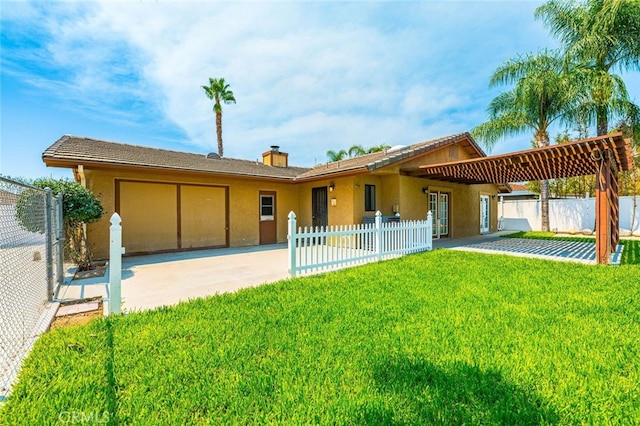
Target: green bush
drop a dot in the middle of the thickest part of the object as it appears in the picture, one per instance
(79, 206)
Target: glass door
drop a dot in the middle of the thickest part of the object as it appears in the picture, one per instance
(443, 213)
(484, 214)
(439, 207)
(433, 208)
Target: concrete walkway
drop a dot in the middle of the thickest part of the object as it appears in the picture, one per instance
(166, 279)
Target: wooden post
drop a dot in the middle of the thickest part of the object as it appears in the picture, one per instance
(292, 244)
(603, 211)
(115, 265)
(614, 204)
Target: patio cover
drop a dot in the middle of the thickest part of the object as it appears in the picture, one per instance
(603, 156)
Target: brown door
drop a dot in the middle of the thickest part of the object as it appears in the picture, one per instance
(319, 210)
(267, 217)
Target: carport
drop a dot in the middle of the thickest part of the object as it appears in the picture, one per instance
(605, 156)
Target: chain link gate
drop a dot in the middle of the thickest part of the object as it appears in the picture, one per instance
(31, 270)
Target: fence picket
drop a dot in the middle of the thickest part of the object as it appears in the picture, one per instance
(325, 248)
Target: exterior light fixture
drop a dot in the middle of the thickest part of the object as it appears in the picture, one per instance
(425, 189)
(332, 186)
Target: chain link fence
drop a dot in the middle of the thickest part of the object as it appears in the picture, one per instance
(31, 268)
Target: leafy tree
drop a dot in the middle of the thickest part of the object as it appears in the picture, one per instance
(79, 206)
(601, 35)
(218, 90)
(544, 92)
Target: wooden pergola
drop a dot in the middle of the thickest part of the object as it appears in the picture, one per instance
(603, 156)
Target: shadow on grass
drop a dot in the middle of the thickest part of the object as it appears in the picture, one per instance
(112, 390)
(418, 392)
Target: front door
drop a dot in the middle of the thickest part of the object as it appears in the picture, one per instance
(484, 214)
(319, 209)
(267, 217)
(439, 207)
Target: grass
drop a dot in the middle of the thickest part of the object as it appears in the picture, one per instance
(630, 254)
(437, 338)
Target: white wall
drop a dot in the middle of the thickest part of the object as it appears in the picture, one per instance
(565, 215)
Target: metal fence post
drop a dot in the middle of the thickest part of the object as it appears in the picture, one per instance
(292, 244)
(115, 264)
(429, 231)
(60, 240)
(379, 235)
(48, 226)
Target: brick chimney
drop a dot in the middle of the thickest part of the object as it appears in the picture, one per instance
(275, 158)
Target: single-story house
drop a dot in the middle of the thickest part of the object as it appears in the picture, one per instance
(171, 201)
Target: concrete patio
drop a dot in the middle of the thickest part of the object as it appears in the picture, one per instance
(568, 251)
(167, 279)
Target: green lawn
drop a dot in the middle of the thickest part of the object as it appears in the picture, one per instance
(443, 337)
(630, 253)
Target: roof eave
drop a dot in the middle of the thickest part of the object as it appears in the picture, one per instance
(73, 163)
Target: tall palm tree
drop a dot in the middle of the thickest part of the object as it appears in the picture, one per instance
(603, 35)
(544, 92)
(218, 90)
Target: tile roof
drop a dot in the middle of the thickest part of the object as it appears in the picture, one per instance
(73, 150)
(376, 160)
(518, 187)
(80, 150)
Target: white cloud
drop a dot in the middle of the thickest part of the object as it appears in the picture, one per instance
(308, 76)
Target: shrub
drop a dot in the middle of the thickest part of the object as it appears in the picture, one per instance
(79, 206)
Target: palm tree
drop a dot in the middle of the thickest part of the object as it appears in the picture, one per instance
(336, 155)
(218, 90)
(544, 92)
(602, 35)
(356, 151)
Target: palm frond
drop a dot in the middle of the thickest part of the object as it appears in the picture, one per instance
(499, 127)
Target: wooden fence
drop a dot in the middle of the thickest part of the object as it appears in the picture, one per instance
(327, 248)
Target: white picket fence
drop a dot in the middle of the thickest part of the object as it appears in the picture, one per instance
(321, 249)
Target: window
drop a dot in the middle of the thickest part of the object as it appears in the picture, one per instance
(266, 207)
(369, 198)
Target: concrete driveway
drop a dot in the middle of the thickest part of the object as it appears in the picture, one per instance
(166, 279)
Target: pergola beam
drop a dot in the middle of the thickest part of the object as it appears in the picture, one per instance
(603, 156)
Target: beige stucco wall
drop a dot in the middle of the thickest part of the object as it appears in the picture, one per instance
(392, 189)
(343, 193)
(243, 206)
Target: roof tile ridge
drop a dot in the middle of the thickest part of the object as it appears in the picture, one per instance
(53, 149)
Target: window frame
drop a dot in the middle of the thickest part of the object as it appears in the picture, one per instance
(369, 198)
(271, 216)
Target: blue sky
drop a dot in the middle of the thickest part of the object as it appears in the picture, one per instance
(308, 76)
